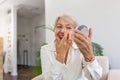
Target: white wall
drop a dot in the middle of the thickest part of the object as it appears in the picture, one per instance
(36, 36)
(38, 33)
(102, 15)
(24, 28)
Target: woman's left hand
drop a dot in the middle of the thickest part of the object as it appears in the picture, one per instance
(84, 44)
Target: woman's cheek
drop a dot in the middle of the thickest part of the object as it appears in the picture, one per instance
(56, 33)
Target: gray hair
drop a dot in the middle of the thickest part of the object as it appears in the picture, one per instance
(68, 18)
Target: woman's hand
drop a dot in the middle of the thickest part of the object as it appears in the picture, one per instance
(62, 46)
(84, 44)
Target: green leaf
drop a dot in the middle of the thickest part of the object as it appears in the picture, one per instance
(97, 49)
(37, 69)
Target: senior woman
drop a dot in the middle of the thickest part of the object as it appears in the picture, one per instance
(70, 56)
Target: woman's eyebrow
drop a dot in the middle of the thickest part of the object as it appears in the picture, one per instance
(58, 24)
(68, 25)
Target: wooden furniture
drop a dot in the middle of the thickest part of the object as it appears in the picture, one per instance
(1, 58)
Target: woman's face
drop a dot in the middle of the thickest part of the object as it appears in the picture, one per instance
(61, 27)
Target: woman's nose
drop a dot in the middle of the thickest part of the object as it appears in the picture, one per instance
(63, 30)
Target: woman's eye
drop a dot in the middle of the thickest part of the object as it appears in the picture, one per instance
(68, 27)
(58, 26)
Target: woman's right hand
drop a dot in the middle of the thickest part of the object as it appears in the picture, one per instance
(62, 46)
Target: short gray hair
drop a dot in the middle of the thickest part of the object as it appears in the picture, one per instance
(68, 18)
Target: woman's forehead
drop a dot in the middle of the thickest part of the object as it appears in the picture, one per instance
(65, 20)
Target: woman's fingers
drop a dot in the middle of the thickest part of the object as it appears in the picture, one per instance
(57, 39)
(65, 36)
(84, 43)
(66, 40)
(80, 33)
(63, 41)
(80, 44)
(81, 39)
(70, 38)
(90, 33)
